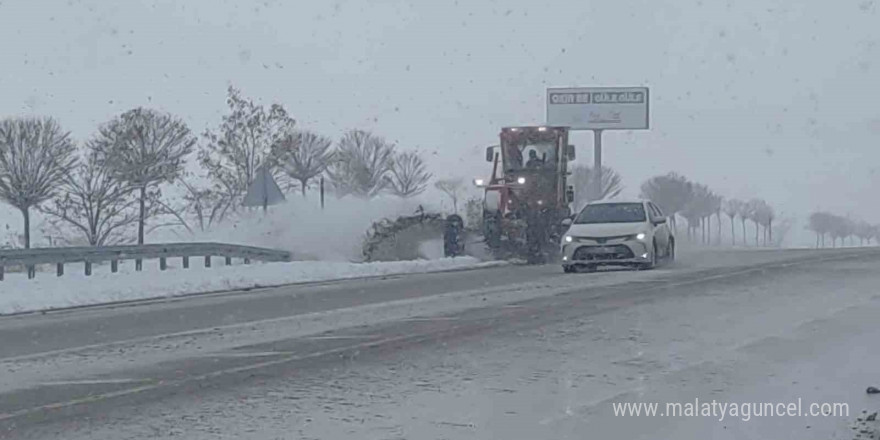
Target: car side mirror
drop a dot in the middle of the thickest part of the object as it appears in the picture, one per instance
(490, 154)
(566, 221)
(569, 151)
(659, 221)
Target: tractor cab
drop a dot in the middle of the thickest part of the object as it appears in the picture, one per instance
(530, 167)
(528, 186)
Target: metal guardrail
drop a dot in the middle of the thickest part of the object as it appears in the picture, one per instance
(88, 255)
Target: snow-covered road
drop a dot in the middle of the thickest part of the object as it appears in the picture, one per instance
(517, 352)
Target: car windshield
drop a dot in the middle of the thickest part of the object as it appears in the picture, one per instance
(612, 213)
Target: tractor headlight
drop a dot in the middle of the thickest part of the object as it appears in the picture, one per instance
(640, 236)
(479, 182)
(521, 180)
(569, 238)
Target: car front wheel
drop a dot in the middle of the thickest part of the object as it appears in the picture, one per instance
(653, 255)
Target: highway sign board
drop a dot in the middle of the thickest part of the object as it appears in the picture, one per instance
(598, 108)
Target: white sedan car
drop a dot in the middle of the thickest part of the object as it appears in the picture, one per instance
(619, 233)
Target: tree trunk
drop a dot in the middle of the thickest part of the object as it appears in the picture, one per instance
(25, 212)
(718, 217)
(756, 235)
(770, 230)
(703, 230)
(817, 240)
(302, 185)
(732, 233)
(745, 240)
(142, 214)
(708, 229)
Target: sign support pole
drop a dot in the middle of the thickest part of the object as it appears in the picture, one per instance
(322, 192)
(597, 164)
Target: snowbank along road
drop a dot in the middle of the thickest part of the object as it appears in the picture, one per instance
(507, 352)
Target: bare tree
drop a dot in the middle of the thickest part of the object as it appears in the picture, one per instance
(241, 144)
(302, 155)
(93, 202)
(453, 188)
(361, 164)
(206, 205)
(751, 211)
(408, 175)
(35, 155)
(584, 179)
(864, 231)
(144, 148)
(732, 208)
(766, 215)
(698, 207)
(821, 223)
(671, 192)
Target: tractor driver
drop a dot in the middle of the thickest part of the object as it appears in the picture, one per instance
(534, 161)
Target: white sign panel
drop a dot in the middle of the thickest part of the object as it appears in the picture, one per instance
(598, 108)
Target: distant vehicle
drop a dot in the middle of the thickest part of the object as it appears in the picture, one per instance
(617, 233)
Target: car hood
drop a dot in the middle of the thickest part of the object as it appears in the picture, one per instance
(606, 229)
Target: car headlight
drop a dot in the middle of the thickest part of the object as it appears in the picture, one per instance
(640, 236)
(569, 238)
(521, 180)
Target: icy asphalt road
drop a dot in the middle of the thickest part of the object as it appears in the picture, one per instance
(513, 352)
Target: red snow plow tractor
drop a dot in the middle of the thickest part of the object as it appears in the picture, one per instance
(527, 197)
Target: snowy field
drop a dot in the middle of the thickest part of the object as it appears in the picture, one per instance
(331, 253)
(46, 291)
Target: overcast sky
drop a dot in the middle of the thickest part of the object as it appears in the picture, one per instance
(757, 98)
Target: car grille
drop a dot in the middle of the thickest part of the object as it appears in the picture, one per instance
(615, 252)
(601, 240)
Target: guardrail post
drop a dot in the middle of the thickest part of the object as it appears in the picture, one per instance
(30, 259)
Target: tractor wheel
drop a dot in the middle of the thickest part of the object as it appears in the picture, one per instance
(492, 231)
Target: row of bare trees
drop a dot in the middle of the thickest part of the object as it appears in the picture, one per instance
(698, 204)
(109, 188)
(840, 228)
